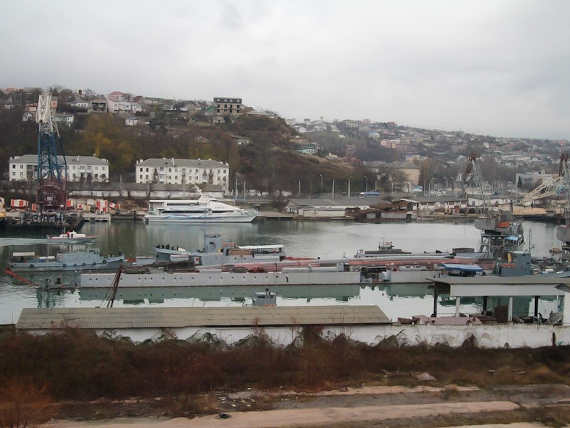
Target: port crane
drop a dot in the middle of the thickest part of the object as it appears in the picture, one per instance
(500, 233)
(52, 166)
(553, 188)
(563, 231)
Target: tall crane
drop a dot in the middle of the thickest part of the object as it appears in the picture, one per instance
(500, 232)
(552, 188)
(472, 175)
(52, 166)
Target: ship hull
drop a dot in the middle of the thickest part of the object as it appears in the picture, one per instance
(111, 264)
(198, 219)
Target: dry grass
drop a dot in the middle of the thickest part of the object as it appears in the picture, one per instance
(81, 366)
(23, 404)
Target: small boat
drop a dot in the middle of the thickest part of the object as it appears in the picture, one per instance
(71, 237)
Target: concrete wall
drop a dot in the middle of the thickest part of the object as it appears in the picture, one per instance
(112, 191)
(486, 336)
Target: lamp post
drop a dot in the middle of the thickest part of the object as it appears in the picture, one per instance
(348, 192)
(365, 184)
(321, 189)
(299, 187)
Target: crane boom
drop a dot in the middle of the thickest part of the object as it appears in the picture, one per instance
(52, 166)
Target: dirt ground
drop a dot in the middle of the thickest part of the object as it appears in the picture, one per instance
(361, 407)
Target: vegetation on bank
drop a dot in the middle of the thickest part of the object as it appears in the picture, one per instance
(81, 366)
(268, 163)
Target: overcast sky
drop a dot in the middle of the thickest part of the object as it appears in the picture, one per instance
(499, 67)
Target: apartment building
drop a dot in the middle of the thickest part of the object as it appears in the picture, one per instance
(183, 171)
(228, 106)
(79, 168)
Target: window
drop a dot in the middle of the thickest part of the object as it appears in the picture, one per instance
(141, 170)
(14, 166)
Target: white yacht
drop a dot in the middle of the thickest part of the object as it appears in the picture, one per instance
(203, 210)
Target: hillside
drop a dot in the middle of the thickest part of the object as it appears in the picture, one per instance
(267, 163)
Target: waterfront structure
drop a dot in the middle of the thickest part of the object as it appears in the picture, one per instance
(228, 106)
(367, 324)
(79, 168)
(183, 171)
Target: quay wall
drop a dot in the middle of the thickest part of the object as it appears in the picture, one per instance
(114, 191)
(486, 336)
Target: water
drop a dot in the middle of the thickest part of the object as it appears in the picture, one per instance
(324, 239)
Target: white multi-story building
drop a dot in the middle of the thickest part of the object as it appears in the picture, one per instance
(228, 106)
(123, 106)
(183, 171)
(79, 168)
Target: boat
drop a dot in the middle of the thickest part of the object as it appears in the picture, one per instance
(203, 210)
(384, 247)
(71, 261)
(216, 251)
(500, 234)
(72, 236)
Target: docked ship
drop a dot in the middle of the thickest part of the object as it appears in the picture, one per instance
(216, 251)
(203, 210)
(500, 234)
(72, 261)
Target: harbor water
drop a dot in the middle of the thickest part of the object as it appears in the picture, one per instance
(301, 239)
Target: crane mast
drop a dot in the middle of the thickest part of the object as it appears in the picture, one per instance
(52, 166)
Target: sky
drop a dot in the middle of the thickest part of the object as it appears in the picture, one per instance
(496, 67)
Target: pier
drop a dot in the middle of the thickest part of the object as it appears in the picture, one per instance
(498, 286)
